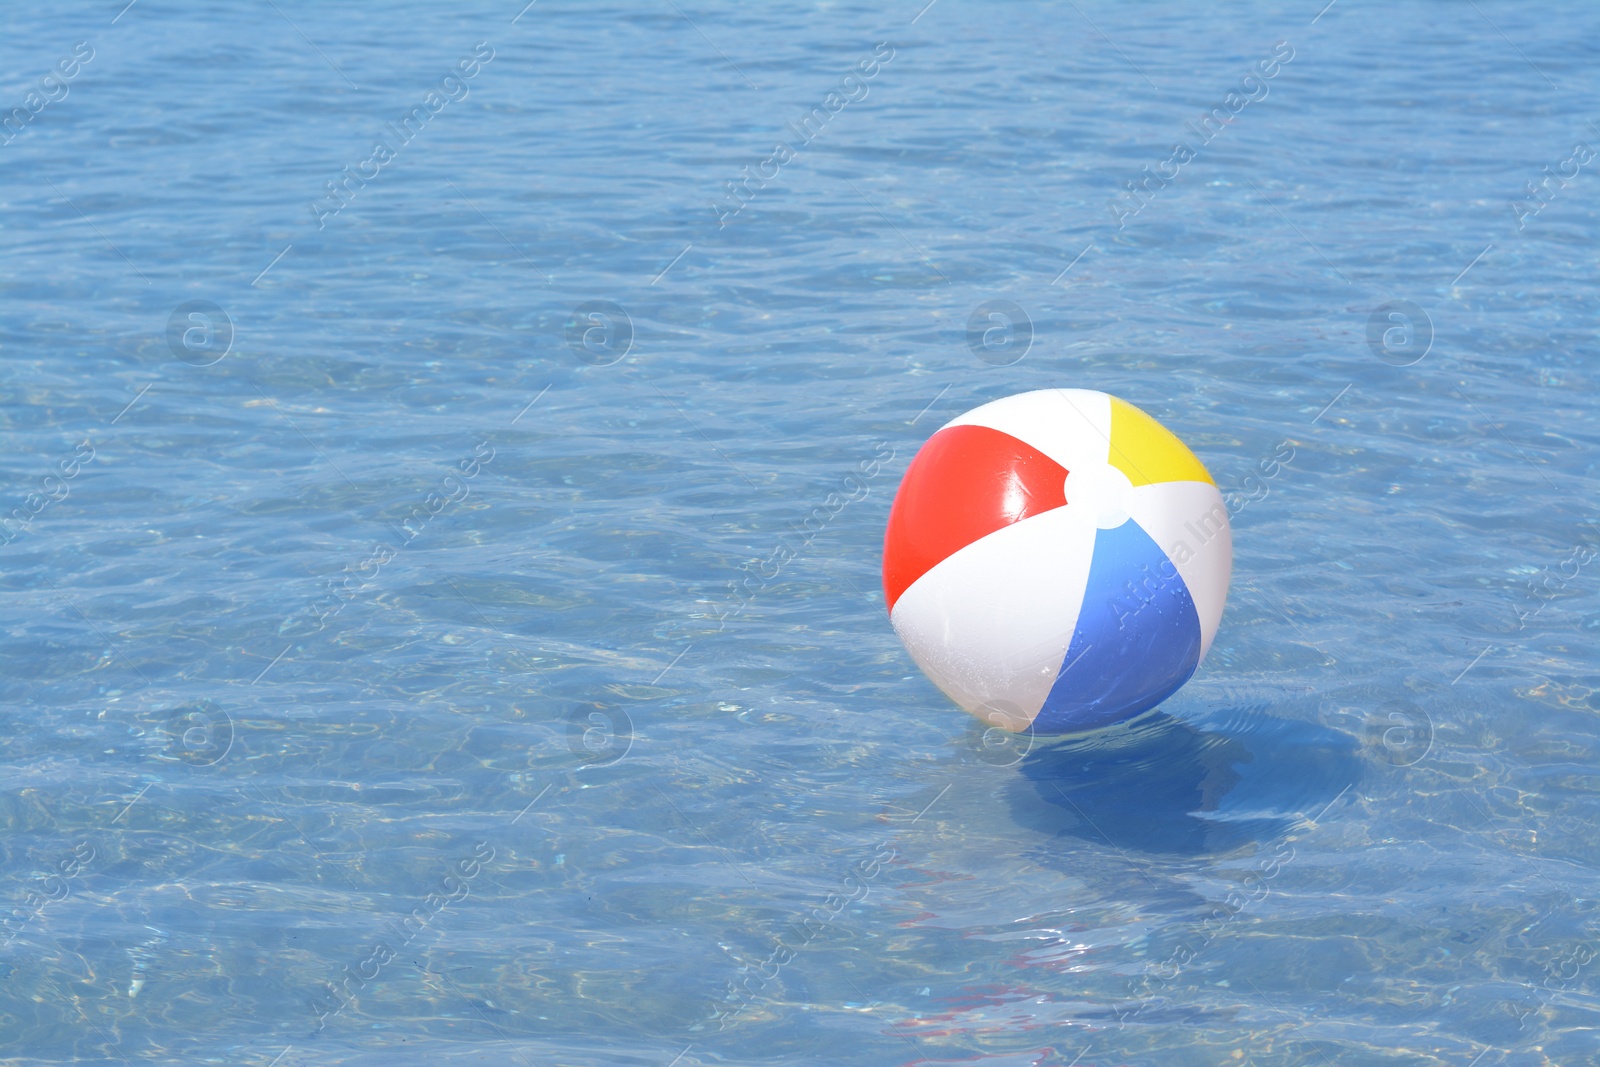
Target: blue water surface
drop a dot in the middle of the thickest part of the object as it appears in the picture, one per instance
(446, 455)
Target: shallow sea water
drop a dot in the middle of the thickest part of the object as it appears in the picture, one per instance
(417, 682)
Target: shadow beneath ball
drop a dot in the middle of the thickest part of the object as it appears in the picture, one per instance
(1160, 785)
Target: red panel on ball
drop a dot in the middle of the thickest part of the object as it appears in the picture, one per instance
(965, 483)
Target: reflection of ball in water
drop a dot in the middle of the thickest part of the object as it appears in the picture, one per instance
(1058, 552)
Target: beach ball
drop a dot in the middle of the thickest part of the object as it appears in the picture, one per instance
(1056, 561)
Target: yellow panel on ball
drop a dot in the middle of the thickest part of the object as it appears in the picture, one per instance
(1147, 452)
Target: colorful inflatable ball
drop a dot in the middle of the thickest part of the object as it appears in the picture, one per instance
(1057, 561)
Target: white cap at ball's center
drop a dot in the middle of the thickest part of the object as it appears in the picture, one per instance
(1101, 491)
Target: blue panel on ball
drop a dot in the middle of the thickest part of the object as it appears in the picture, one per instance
(1137, 639)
